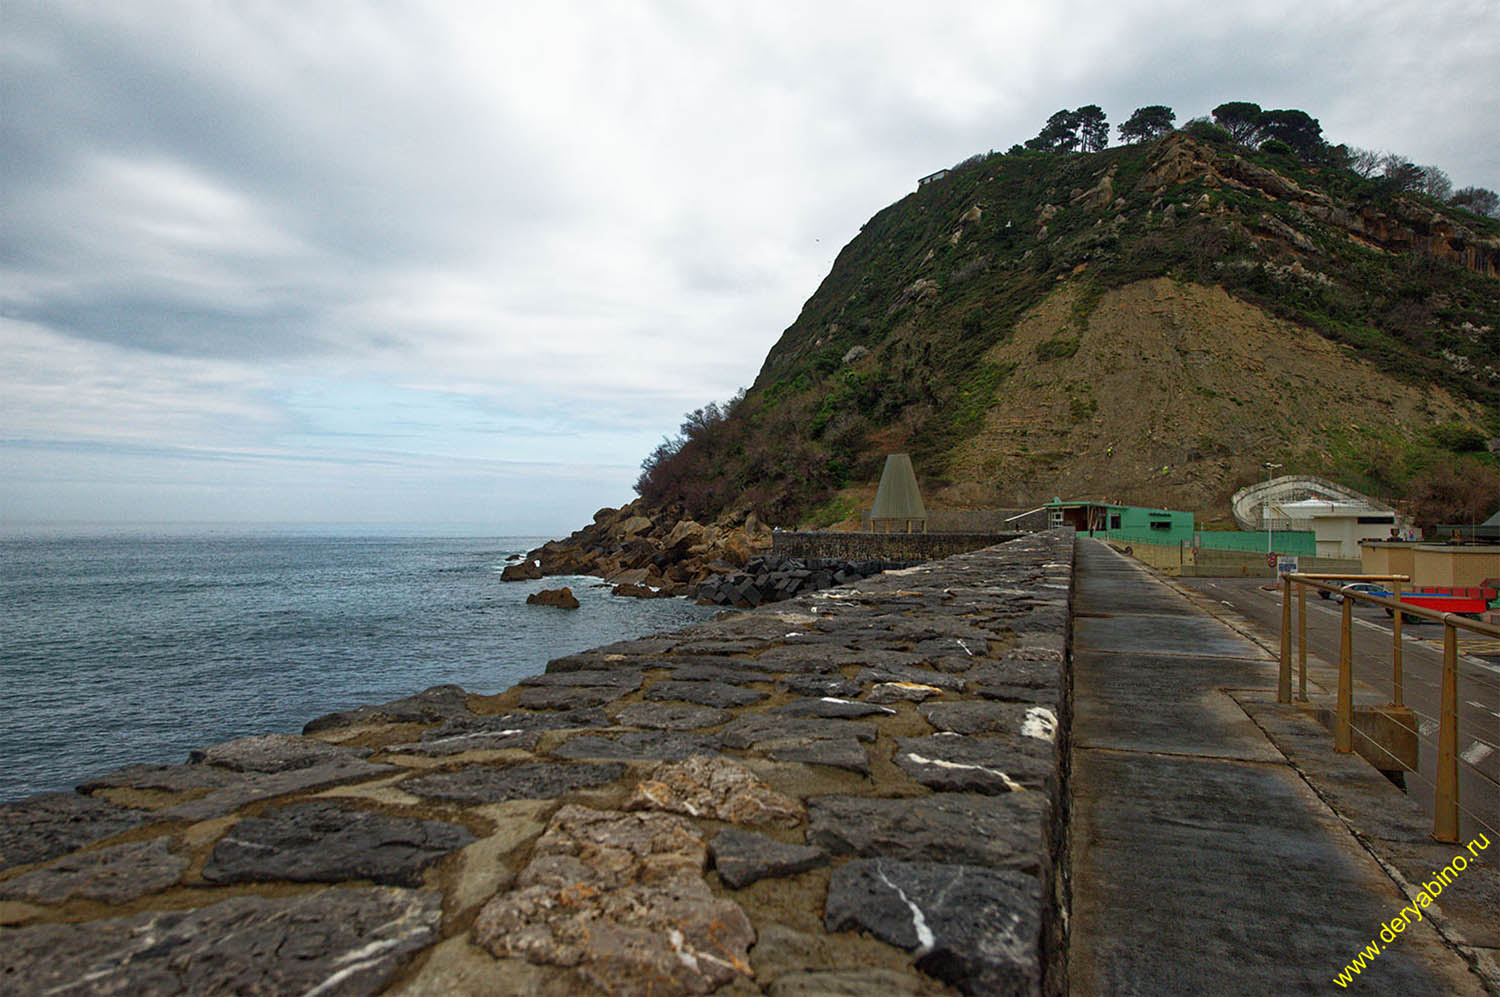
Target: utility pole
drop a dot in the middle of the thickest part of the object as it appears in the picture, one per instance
(1266, 507)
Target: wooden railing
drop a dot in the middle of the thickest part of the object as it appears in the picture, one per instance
(1445, 790)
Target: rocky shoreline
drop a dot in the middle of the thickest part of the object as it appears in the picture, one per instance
(649, 554)
(646, 552)
(858, 791)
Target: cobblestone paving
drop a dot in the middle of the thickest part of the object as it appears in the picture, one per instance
(861, 791)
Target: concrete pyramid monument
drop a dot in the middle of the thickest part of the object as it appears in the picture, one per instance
(898, 501)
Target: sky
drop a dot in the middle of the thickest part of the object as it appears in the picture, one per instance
(465, 264)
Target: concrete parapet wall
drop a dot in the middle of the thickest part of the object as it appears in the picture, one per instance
(864, 790)
(1205, 563)
(978, 520)
(906, 548)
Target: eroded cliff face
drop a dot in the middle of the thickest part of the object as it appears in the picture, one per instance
(1406, 226)
(1175, 392)
(1148, 323)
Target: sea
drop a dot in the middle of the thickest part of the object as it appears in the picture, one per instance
(119, 647)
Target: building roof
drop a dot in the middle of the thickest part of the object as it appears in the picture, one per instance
(898, 496)
(1308, 508)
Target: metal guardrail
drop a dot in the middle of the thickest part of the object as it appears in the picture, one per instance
(1445, 798)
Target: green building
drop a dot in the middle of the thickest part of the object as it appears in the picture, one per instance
(1134, 524)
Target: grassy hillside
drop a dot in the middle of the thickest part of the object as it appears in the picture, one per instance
(1148, 323)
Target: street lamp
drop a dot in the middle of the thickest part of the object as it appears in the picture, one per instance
(1266, 507)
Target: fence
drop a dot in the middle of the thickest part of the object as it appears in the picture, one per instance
(1446, 804)
(1298, 543)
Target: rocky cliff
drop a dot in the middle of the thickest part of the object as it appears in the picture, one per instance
(1148, 324)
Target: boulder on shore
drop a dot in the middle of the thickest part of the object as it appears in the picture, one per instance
(562, 598)
(639, 591)
(526, 571)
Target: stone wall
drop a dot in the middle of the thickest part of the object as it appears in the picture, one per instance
(863, 790)
(993, 521)
(901, 548)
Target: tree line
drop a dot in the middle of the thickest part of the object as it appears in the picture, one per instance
(1286, 130)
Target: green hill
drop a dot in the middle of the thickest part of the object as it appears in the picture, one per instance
(1148, 323)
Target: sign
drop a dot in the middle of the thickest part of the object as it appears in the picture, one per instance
(1286, 564)
(1270, 560)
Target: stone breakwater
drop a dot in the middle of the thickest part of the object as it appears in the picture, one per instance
(773, 579)
(859, 791)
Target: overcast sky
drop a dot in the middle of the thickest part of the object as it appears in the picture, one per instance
(464, 264)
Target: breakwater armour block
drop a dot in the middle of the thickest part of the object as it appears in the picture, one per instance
(857, 790)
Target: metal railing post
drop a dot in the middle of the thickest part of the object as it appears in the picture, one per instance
(1284, 677)
(1445, 798)
(1301, 643)
(1343, 730)
(1398, 680)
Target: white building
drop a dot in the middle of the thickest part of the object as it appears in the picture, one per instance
(1338, 526)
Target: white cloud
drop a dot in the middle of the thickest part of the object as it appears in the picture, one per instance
(499, 232)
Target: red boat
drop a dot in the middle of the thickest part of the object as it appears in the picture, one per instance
(1444, 602)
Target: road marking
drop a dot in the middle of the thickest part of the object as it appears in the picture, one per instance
(1427, 728)
(1483, 709)
(1476, 753)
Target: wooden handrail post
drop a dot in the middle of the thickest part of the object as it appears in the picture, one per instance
(1398, 680)
(1284, 677)
(1445, 798)
(1302, 643)
(1343, 730)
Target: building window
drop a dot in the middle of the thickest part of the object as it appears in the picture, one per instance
(1114, 522)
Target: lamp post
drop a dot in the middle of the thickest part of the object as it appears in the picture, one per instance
(1267, 506)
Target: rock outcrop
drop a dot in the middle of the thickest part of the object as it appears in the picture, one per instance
(649, 553)
(562, 598)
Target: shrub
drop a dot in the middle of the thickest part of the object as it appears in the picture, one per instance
(1056, 349)
(1460, 438)
(1206, 131)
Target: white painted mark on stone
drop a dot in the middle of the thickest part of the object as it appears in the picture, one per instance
(482, 733)
(690, 958)
(1040, 723)
(853, 702)
(1010, 784)
(350, 970)
(964, 646)
(685, 957)
(925, 938)
(1476, 753)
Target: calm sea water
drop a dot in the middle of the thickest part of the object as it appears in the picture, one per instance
(137, 648)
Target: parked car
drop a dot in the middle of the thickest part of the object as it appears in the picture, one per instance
(1370, 588)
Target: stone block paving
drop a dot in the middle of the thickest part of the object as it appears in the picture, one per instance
(860, 791)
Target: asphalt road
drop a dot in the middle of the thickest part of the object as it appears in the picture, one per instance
(1422, 661)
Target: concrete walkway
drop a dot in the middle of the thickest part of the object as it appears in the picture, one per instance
(1202, 862)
